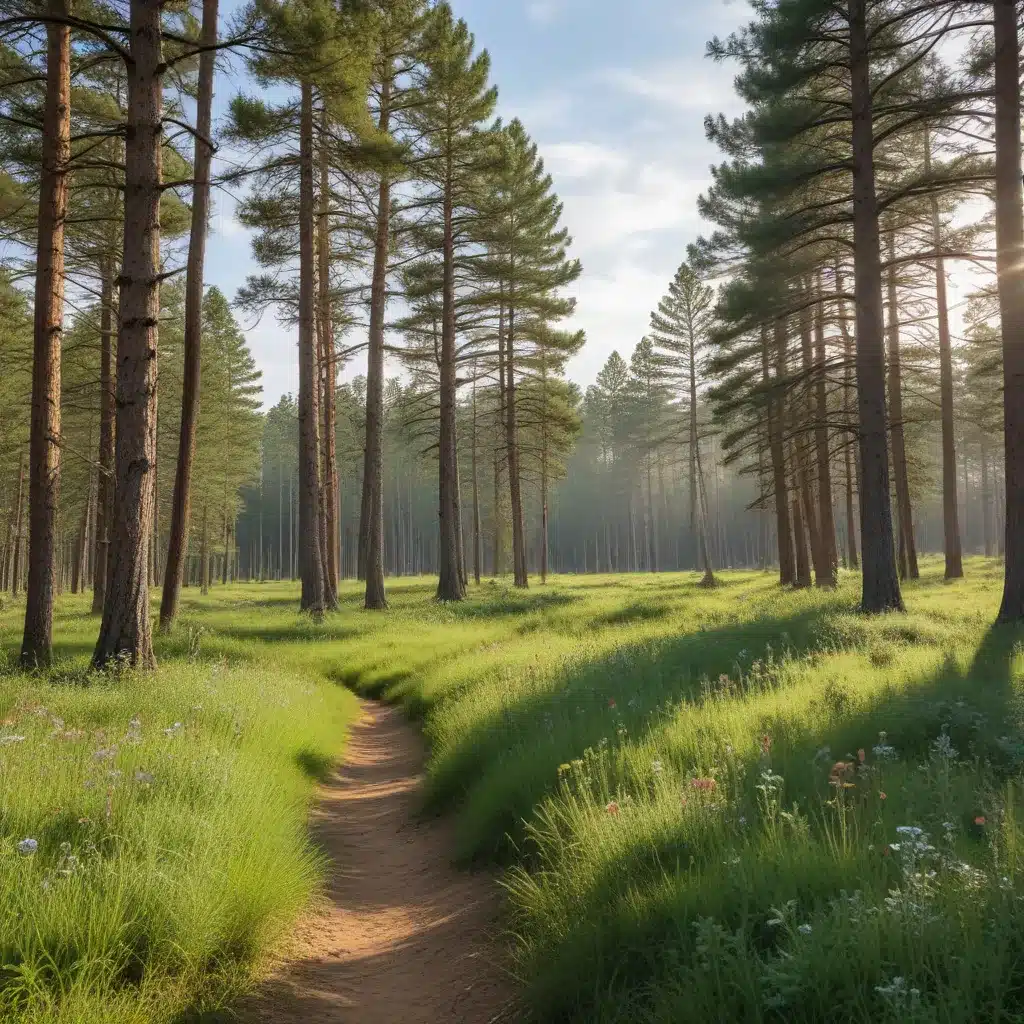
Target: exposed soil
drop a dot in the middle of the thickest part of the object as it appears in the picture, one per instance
(406, 938)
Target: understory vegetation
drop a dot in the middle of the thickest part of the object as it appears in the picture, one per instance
(153, 842)
(738, 804)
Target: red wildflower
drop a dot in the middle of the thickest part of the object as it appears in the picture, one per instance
(861, 755)
(706, 785)
(881, 796)
(841, 774)
(980, 819)
(611, 703)
(766, 744)
(612, 808)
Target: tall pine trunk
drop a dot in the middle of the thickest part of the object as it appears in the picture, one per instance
(126, 632)
(450, 586)
(880, 582)
(826, 513)
(907, 546)
(478, 554)
(1010, 272)
(950, 512)
(329, 512)
(105, 483)
(311, 569)
(48, 326)
(520, 576)
(986, 498)
(371, 515)
(181, 498)
(787, 565)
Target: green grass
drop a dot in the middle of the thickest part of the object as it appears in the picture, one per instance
(169, 811)
(568, 726)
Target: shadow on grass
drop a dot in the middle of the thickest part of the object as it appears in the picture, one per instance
(499, 770)
(314, 764)
(638, 611)
(634, 921)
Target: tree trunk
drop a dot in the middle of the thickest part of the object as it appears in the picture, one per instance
(986, 498)
(826, 514)
(521, 578)
(19, 520)
(809, 506)
(449, 585)
(48, 326)
(225, 568)
(787, 565)
(880, 582)
(82, 545)
(181, 499)
(311, 569)
(126, 632)
(329, 512)
(907, 543)
(371, 516)
(803, 561)
(950, 516)
(478, 554)
(105, 485)
(204, 554)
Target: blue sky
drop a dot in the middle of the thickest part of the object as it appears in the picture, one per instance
(615, 95)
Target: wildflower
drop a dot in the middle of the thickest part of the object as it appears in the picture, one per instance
(706, 785)
(174, 729)
(657, 767)
(881, 796)
(612, 808)
(980, 819)
(4, 740)
(805, 929)
(861, 755)
(842, 772)
(766, 744)
(883, 750)
(104, 754)
(27, 847)
(723, 680)
(743, 821)
(145, 778)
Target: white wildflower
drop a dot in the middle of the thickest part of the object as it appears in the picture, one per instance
(4, 740)
(805, 929)
(27, 847)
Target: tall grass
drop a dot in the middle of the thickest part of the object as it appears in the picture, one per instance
(733, 805)
(153, 846)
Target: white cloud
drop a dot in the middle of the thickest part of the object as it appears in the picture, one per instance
(689, 87)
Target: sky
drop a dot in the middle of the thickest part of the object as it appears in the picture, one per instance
(615, 95)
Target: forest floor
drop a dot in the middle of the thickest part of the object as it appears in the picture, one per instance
(743, 804)
(405, 936)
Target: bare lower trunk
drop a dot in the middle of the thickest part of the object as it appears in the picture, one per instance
(521, 578)
(950, 512)
(126, 632)
(371, 516)
(329, 513)
(803, 561)
(78, 569)
(905, 521)
(478, 554)
(1010, 271)
(826, 513)
(787, 565)
(48, 326)
(986, 499)
(181, 498)
(450, 586)
(880, 582)
(105, 484)
(19, 526)
(311, 569)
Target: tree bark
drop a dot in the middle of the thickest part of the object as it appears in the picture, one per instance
(880, 581)
(819, 559)
(19, 520)
(950, 512)
(986, 498)
(826, 513)
(520, 577)
(371, 516)
(449, 585)
(311, 569)
(787, 565)
(329, 512)
(1010, 273)
(478, 554)
(904, 510)
(126, 631)
(105, 483)
(48, 326)
(181, 498)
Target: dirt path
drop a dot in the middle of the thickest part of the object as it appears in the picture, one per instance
(407, 937)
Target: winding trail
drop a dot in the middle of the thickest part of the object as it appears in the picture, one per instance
(406, 938)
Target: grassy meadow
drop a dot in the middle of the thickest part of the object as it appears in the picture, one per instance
(736, 805)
